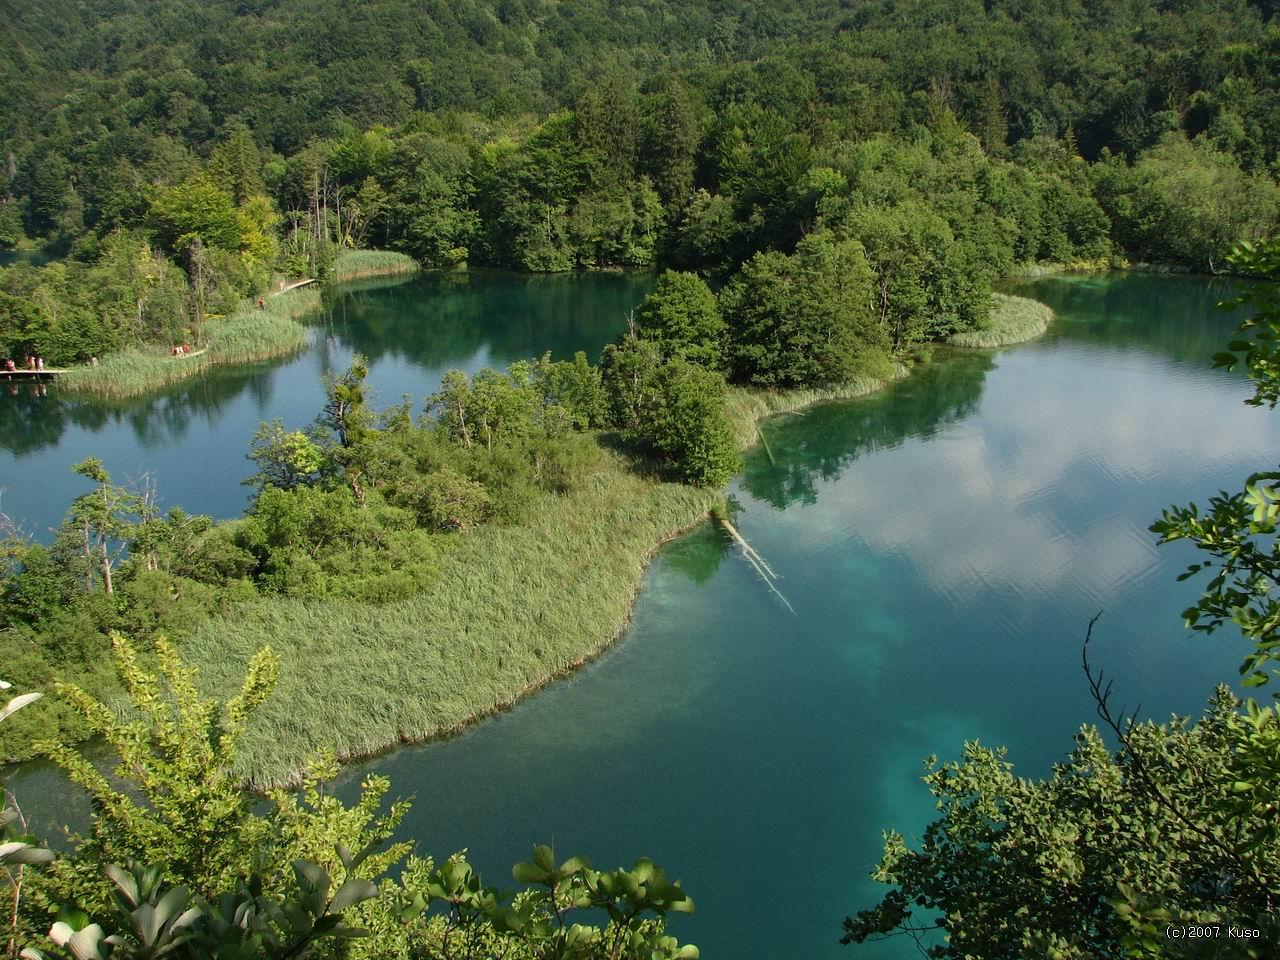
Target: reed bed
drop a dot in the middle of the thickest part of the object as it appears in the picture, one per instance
(358, 264)
(1013, 320)
(512, 609)
(747, 406)
(250, 334)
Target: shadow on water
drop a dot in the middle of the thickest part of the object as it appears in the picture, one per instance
(1174, 316)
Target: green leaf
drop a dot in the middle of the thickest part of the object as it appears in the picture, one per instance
(354, 890)
(544, 858)
(529, 873)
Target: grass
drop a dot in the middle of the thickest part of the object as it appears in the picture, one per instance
(1013, 320)
(747, 406)
(248, 335)
(358, 264)
(513, 608)
(1048, 268)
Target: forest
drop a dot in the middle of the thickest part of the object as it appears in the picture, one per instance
(823, 191)
(953, 143)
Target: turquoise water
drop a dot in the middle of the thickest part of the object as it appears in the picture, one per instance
(943, 546)
(192, 438)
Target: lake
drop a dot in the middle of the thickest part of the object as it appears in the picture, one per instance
(942, 546)
(192, 438)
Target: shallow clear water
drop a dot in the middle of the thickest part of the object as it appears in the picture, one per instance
(943, 545)
(192, 438)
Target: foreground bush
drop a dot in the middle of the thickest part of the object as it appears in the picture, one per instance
(180, 861)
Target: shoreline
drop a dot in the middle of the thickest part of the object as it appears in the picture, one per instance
(753, 407)
(1014, 320)
(529, 603)
(269, 761)
(747, 409)
(249, 335)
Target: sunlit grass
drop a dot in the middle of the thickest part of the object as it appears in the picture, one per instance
(357, 264)
(747, 406)
(513, 608)
(1013, 320)
(248, 335)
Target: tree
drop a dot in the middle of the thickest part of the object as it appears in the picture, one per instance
(186, 813)
(18, 849)
(1187, 203)
(185, 863)
(284, 459)
(24, 327)
(682, 316)
(574, 385)
(236, 164)
(98, 525)
(672, 411)
(194, 209)
(804, 320)
(1073, 866)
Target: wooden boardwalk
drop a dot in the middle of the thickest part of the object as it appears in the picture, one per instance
(35, 374)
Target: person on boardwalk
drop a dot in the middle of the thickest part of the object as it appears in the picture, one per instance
(39, 363)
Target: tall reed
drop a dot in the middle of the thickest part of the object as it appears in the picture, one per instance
(512, 608)
(245, 336)
(358, 264)
(1013, 320)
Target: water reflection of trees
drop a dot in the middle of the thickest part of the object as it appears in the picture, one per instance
(1176, 317)
(698, 554)
(30, 420)
(435, 320)
(441, 320)
(821, 443)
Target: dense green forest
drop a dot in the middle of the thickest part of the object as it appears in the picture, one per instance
(183, 154)
(826, 190)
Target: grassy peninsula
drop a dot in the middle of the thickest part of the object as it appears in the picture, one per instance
(249, 334)
(834, 187)
(413, 577)
(1013, 320)
(512, 609)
